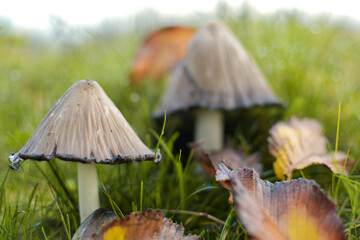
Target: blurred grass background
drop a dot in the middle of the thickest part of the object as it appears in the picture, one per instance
(312, 64)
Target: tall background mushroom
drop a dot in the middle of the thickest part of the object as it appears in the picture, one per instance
(216, 74)
(85, 126)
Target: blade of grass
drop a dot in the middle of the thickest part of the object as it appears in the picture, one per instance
(194, 193)
(141, 195)
(333, 186)
(163, 145)
(114, 206)
(4, 180)
(63, 185)
(199, 214)
(27, 218)
(67, 230)
(43, 231)
(225, 229)
(161, 135)
(33, 217)
(156, 152)
(355, 166)
(180, 176)
(342, 173)
(47, 179)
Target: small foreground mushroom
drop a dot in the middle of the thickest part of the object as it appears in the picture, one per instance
(216, 74)
(290, 210)
(150, 225)
(85, 126)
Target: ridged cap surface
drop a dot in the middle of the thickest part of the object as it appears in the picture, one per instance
(217, 73)
(83, 126)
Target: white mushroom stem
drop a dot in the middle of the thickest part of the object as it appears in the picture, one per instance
(209, 127)
(88, 189)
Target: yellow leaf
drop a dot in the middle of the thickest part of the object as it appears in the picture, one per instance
(115, 233)
(301, 228)
(299, 143)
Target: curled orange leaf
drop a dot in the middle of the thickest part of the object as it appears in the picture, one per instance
(160, 52)
(293, 210)
(149, 225)
(299, 143)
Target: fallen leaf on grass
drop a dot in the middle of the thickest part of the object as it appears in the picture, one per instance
(232, 158)
(294, 210)
(160, 52)
(297, 144)
(229, 157)
(149, 225)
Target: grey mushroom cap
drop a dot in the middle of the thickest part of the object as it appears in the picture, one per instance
(217, 74)
(83, 126)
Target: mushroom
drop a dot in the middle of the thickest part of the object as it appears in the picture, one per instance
(216, 74)
(85, 126)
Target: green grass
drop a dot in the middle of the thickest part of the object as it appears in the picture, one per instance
(311, 64)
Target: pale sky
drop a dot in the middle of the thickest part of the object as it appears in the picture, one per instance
(36, 13)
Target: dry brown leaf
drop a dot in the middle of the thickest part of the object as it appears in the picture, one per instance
(299, 143)
(160, 52)
(294, 210)
(229, 157)
(149, 225)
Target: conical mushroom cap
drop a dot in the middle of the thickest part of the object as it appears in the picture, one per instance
(84, 125)
(217, 73)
